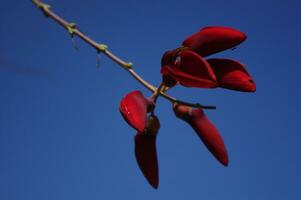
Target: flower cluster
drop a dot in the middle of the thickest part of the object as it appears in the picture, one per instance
(184, 66)
(187, 66)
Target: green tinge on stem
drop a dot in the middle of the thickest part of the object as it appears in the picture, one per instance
(44, 7)
(129, 65)
(71, 28)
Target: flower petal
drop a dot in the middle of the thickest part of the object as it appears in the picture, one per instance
(146, 156)
(232, 75)
(191, 70)
(146, 153)
(168, 58)
(206, 131)
(213, 39)
(134, 107)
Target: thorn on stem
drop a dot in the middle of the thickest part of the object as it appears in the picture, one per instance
(98, 58)
(44, 7)
(74, 43)
(71, 28)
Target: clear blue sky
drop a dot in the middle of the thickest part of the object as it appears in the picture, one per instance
(61, 133)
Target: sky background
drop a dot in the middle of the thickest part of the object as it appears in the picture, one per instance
(61, 133)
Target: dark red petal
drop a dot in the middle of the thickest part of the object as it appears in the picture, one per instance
(169, 81)
(207, 132)
(232, 75)
(194, 64)
(191, 70)
(168, 58)
(133, 108)
(152, 125)
(146, 156)
(213, 39)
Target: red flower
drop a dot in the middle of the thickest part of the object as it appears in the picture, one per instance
(186, 66)
(146, 153)
(134, 108)
(190, 70)
(207, 132)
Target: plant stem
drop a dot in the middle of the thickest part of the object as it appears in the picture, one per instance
(73, 30)
(156, 94)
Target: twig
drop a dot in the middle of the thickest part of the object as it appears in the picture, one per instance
(128, 66)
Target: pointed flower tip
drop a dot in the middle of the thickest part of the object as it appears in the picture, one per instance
(146, 157)
(253, 86)
(248, 86)
(134, 107)
(222, 157)
(225, 162)
(155, 185)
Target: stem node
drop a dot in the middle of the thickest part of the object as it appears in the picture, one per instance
(128, 65)
(102, 48)
(71, 28)
(44, 7)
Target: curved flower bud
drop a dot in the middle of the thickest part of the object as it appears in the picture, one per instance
(207, 132)
(232, 75)
(191, 70)
(146, 153)
(134, 107)
(213, 39)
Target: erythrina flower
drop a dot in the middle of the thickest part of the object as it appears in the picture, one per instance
(134, 108)
(207, 132)
(186, 65)
(145, 151)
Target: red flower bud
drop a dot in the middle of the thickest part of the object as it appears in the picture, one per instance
(207, 132)
(213, 39)
(232, 75)
(134, 107)
(191, 70)
(146, 153)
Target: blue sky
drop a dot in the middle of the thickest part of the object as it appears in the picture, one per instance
(61, 133)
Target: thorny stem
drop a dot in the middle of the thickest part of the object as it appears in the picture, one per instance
(128, 66)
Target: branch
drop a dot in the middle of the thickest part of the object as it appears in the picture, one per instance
(128, 66)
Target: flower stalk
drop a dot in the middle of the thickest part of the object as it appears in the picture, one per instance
(128, 66)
